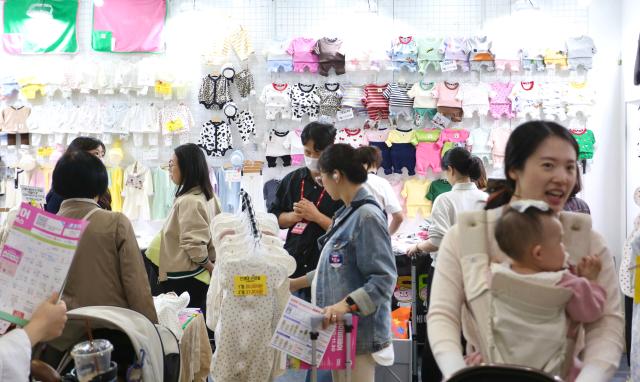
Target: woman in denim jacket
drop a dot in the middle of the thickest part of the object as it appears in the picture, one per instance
(356, 272)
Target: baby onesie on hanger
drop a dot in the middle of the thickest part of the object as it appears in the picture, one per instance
(276, 99)
(215, 138)
(428, 144)
(456, 50)
(138, 186)
(479, 142)
(586, 139)
(553, 104)
(404, 54)
(301, 49)
(480, 53)
(330, 99)
(353, 97)
(580, 51)
(437, 188)
(533, 58)
(116, 183)
(329, 56)
(375, 102)
(453, 138)
(498, 142)
(113, 118)
(500, 103)
(163, 194)
(475, 98)
(277, 146)
(430, 53)
(354, 137)
(377, 138)
(240, 42)
(579, 98)
(448, 102)
(304, 101)
(400, 104)
(246, 125)
(215, 91)
(277, 57)
(414, 192)
(296, 147)
(14, 119)
(507, 52)
(525, 99)
(176, 119)
(553, 57)
(424, 100)
(245, 83)
(402, 151)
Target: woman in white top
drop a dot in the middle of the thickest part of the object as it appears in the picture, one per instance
(462, 171)
(380, 188)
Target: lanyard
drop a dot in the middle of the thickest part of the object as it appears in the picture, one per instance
(302, 194)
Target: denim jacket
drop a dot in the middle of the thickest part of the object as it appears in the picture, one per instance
(357, 260)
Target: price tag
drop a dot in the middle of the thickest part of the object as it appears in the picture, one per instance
(33, 195)
(233, 176)
(151, 154)
(254, 285)
(344, 114)
(448, 66)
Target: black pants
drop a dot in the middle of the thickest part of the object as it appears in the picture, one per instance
(628, 315)
(430, 370)
(197, 290)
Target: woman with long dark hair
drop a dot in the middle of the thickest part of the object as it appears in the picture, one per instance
(186, 248)
(540, 164)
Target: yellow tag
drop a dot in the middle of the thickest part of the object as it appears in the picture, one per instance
(254, 285)
(175, 125)
(163, 88)
(636, 288)
(45, 151)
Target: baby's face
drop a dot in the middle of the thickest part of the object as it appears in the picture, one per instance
(552, 257)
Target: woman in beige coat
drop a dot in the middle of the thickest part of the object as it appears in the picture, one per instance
(540, 164)
(107, 268)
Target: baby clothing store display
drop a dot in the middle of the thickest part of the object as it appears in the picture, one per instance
(330, 99)
(430, 53)
(353, 97)
(215, 138)
(404, 54)
(479, 142)
(586, 141)
(14, 119)
(498, 142)
(246, 124)
(252, 184)
(377, 138)
(428, 145)
(215, 91)
(424, 100)
(240, 42)
(579, 98)
(175, 119)
(329, 55)
(400, 104)
(533, 57)
(304, 101)
(353, 137)
(302, 51)
(480, 53)
(245, 83)
(553, 104)
(475, 98)
(277, 56)
(163, 194)
(525, 99)
(402, 150)
(276, 99)
(294, 142)
(449, 103)
(437, 188)
(138, 186)
(580, 51)
(507, 53)
(228, 189)
(500, 104)
(556, 57)
(277, 146)
(375, 102)
(415, 191)
(456, 49)
(453, 138)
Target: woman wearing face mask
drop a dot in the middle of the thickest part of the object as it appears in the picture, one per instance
(540, 164)
(302, 205)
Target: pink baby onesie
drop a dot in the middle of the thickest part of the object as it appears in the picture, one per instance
(498, 142)
(428, 145)
(302, 50)
(453, 138)
(500, 103)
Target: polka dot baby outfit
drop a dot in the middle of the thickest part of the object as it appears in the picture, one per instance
(353, 137)
(305, 101)
(525, 99)
(215, 138)
(276, 99)
(500, 103)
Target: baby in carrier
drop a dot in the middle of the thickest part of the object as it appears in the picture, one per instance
(537, 291)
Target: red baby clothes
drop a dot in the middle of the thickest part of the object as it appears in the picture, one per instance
(353, 137)
(375, 102)
(453, 138)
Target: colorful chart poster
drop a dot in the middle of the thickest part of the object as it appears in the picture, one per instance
(128, 26)
(40, 26)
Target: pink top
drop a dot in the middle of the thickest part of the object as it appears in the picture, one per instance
(447, 93)
(498, 140)
(454, 135)
(377, 135)
(301, 48)
(588, 300)
(501, 92)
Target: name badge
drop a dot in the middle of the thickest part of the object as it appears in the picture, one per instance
(299, 228)
(335, 260)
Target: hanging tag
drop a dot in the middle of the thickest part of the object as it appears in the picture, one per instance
(448, 66)
(344, 114)
(299, 228)
(440, 121)
(233, 176)
(254, 285)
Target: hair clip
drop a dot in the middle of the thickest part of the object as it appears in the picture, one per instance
(523, 205)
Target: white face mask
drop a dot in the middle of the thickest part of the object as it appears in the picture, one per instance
(311, 163)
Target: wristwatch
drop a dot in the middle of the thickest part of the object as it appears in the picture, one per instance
(353, 307)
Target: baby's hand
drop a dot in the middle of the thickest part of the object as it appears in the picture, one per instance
(473, 359)
(589, 267)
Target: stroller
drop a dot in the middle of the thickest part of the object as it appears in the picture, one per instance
(136, 341)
